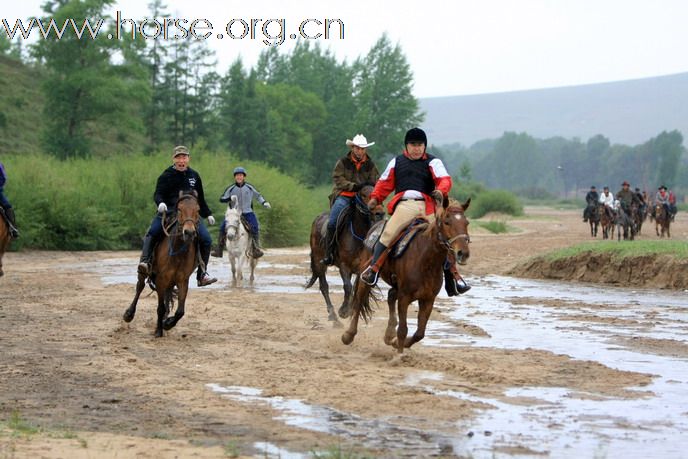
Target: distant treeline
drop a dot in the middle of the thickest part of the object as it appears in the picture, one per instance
(293, 111)
(545, 168)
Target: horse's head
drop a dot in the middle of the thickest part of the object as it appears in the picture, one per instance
(232, 219)
(453, 226)
(188, 213)
(362, 198)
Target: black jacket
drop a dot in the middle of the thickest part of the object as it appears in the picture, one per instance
(172, 181)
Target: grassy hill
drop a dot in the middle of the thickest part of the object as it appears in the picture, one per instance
(628, 112)
(21, 106)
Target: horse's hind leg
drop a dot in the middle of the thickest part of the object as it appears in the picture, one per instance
(252, 262)
(131, 310)
(179, 313)
(344, 309)
(162, 310)
(402, 328)
(392, 322)
(361, 290)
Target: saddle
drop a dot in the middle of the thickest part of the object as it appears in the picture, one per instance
(341, 222)
(401, 243)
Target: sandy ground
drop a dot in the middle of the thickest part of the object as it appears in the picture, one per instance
(76, 381)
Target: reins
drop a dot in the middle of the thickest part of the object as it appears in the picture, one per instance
(175, 235)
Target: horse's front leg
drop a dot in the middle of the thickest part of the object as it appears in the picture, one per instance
(424, 311)
(131, 310)
(162, 312)
(252, 265)
(181, 300)
(402, 328)
(391, 331)
(232, 262)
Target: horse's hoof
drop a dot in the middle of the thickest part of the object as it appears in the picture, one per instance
(168, 324)
(347, 338)
(344, 313)
(158, 333)
(128, 316)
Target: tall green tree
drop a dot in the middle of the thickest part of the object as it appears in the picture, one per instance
(84, 89)
(382, 93)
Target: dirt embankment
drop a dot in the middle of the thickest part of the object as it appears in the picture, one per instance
(650, 271)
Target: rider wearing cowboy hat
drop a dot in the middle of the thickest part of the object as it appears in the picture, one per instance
(351, 173)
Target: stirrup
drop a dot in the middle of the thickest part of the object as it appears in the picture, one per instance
(369, 276)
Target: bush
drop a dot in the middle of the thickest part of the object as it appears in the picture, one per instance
(107, 203)
(500, 201)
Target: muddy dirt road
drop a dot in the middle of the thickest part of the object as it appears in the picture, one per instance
(514, 368)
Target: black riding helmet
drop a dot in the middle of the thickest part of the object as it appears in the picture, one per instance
(415, 135)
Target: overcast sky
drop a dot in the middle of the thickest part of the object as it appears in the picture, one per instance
(460, 47)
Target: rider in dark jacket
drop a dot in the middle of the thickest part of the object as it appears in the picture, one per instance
(7, 207)
(176, 178)
(591, 199)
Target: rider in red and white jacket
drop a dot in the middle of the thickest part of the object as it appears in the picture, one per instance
(418, 179)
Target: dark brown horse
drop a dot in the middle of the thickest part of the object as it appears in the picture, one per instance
(416, 275)
(662, 221)
(348, 256)
(173, 262)
(606, 221)
(594, 219)
(4, 239)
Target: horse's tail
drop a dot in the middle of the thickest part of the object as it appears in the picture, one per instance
(314, 276)
(361, 300)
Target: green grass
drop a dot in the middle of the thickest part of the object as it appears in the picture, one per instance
(494, 226)
(18, 426)
(336, 452)
(677, 249)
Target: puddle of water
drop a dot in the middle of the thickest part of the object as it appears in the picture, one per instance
(565, 425)
(269, 450)
(374, 434)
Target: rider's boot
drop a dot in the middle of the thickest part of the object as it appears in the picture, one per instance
(202, 277)
(256, 250)
(369, 275)
(221, 240)
(146, 255)
(329, 247)
(454, 284)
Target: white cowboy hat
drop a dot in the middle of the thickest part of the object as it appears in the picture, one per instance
(359, 141)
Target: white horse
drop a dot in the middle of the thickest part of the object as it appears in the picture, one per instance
(238, 244)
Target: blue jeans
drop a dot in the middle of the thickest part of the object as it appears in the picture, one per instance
(338, 206)
(252, 223)
(155, 230)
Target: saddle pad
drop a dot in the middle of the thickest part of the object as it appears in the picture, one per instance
(407, 236)
(374, 235)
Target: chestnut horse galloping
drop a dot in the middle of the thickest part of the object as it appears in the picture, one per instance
(662, 221)
(350, 251)
(173, 263)
(416, 275)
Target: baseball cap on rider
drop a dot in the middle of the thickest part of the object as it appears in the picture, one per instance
(180, 150)
(239, 170)
(415, 135)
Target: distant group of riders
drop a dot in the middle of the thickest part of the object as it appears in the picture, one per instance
(629, 203)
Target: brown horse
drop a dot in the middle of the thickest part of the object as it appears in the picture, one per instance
(593, 218)
(606, 222)
(349, 253)
(416, 275)
(662, 220)
(173, 262)
(4, 239)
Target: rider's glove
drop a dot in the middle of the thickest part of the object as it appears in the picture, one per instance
(162, 207)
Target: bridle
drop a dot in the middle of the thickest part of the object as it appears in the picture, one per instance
(180, 223)
(444, 240)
